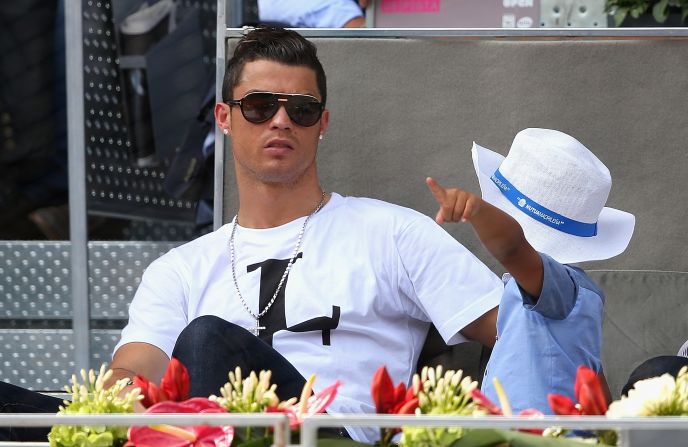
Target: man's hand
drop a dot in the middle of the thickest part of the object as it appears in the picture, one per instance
(138, 358)
(456, 205)
(143, 359)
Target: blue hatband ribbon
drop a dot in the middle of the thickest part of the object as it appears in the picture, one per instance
(539, 212)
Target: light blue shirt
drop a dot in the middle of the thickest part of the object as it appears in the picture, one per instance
(309, 13)
(540, 346)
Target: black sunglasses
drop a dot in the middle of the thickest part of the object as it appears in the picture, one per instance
(258, 107)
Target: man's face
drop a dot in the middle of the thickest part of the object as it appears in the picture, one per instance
(277, 150)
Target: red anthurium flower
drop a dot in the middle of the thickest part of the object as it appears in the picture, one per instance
(309, 406)
(562, 405)
(481, 400)
(192, 436)
(588, 391)
(390, 400)
(150, 391)
(408, 406)
(534, 414)
(383, 392)
(174, 385)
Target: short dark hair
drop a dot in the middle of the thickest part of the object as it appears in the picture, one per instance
(655, 367)
(277, 45)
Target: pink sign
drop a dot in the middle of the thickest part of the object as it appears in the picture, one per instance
(456, 13)
(409, 6)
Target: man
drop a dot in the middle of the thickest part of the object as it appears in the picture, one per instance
(302, 281)
(330, 285)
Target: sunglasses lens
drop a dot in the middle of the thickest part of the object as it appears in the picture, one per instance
(259, 107)
(304, 111)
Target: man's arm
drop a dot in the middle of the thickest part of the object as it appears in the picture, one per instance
(141, 359)
(483, 329)
(156, 316)
(500, 233)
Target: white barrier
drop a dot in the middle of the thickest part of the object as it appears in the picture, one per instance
(674, 430)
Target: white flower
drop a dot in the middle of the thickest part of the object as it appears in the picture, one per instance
(644, 397)
(250, 395)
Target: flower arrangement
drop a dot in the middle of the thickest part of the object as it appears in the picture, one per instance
(174, 385)
(438, 393)
(389, 399)
(253, 394)
(435, 392)
(186, 436)
(658, 396)
(93, 397)
(591, 402)
(432, 392)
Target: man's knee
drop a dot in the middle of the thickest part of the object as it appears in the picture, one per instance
(204, 326)
(212, 329)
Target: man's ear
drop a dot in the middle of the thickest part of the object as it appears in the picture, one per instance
(324, 121)
(223, 117)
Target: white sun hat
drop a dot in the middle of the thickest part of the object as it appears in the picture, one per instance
(556, 189)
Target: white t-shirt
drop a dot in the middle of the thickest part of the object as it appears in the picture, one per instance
(379, 272)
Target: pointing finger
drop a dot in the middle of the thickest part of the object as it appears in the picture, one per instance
(436, 189)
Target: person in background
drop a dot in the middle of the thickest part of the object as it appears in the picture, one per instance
(657, 366)
(313, 13)
(542, 209)
(33, 149)
(683, 350)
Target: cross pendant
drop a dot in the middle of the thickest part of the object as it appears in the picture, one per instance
(256, 330)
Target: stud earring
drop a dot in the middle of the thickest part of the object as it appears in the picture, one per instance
(320, 137)
(225, 131)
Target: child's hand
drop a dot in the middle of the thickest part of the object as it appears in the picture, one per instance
(455, 204)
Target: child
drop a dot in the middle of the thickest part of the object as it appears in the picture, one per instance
(550, 315)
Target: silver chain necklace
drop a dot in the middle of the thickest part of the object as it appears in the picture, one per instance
(257, 328)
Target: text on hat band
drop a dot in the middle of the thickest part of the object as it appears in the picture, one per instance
(539, 212)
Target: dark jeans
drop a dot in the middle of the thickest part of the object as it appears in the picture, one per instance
(14, 399)
(209, 347)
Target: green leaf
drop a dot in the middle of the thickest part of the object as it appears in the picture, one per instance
(494, 438)
(661, 11)
(684, 13)
(480, 438)
(638, 10)
(620, 16)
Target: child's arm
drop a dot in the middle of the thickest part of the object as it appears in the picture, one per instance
(605, 387)
(501, 235)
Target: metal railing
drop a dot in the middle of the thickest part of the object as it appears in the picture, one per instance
(277, 421)
(310, 425)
